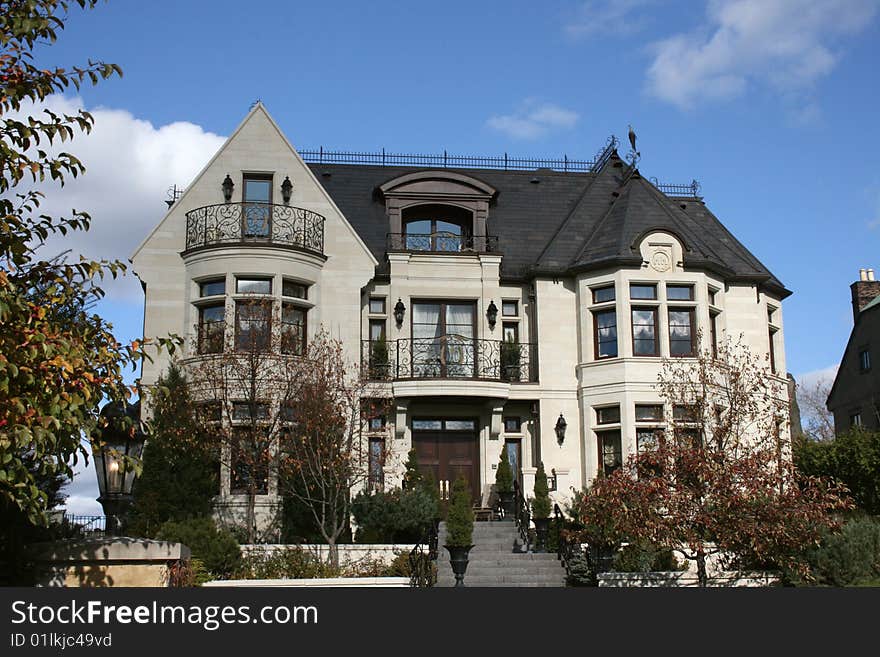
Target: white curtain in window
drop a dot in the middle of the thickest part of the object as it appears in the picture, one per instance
(460, 319)
(426, 320)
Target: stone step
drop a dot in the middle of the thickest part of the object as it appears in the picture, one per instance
(505, 581)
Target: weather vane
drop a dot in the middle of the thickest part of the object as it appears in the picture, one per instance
(633, 156)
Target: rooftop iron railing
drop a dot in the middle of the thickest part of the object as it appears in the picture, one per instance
(442, 242)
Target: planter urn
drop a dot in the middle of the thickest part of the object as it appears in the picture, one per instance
(508, 501)
(458, 559)
(542, 529)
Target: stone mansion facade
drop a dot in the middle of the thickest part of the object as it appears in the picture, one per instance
(498, 305)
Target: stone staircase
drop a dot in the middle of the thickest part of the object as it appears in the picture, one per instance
(498, 559)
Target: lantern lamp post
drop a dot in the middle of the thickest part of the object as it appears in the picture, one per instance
(120, 443)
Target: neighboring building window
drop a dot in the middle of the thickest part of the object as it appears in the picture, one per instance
(377, 463)
(512, 425)
(610, 452)
(257, 211)
(682, 336)
(294, 289)
(509, 309)
(603, 294)
(713, 333)
(649, 412)
(608, 415)
(855, 420)
(680, 292)
(253, 326)
(772, 341)
(293, 329)
(253, 286)
(212, 288)
(864, 360)
(377, 305)
(605, 333)
(212, 326)
(642, 291)
(644, 327)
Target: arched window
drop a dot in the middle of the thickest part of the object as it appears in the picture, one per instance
(437, 228)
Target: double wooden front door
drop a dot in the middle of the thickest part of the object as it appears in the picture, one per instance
(447, 450)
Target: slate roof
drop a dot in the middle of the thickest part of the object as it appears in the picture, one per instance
(566, 222)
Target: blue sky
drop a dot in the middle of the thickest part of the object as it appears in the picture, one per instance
(770, 104)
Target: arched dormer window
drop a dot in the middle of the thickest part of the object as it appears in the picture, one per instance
(438, 211)
(435, 227)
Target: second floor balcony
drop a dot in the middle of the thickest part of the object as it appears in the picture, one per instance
(450, 357)
(247, 224)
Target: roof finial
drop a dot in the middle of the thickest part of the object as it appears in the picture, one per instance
(258, 101)
(633, 156)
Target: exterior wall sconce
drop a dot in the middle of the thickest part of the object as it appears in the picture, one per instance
(286, 189)
(399, 310)
(560, 427)
(228, 186)
(492, 314)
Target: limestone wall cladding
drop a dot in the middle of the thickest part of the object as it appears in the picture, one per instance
(257, 146)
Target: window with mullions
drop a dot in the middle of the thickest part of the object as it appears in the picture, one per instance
(212, 325)
(608, 415)
(249, 466)
(293, 329)
(253, 286)
(437, 228)
(682, 336)
(610, 451)
(644, 328)
(605, 334)
(377, 464)
(253, 326)
(644, 291)
(443, 339)
(247, 411)
(680, 292)
(864, 359)
(649, 412)
(257, 209)
(603, 294)
(212, 288)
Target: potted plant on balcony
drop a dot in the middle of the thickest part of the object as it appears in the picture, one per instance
(379, 358)
(541, 509)
(511, 352)
(504, 484)
(459, 529)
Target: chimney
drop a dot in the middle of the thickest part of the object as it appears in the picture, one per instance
(864, 291)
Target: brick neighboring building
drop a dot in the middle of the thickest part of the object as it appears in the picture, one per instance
(855, 396)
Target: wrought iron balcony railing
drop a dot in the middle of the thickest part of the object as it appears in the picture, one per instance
(450, 357)
(442, 243)
(255, 223)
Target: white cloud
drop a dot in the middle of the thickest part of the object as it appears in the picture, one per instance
(533, 120)
(824, 376)
(786, 45)
(607, 17)
(130, 164)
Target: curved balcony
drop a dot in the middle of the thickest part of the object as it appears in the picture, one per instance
(250, 224)
(449, 357)
(442, 242)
